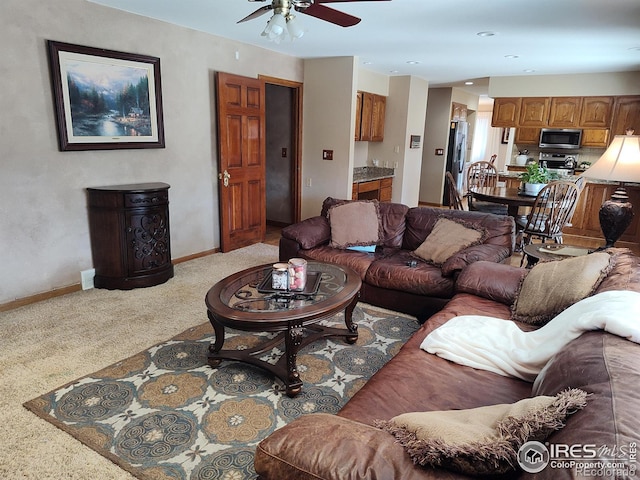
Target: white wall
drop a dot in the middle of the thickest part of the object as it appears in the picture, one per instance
(44, 231)
(579, 85)
(436, 135)
(328, 123)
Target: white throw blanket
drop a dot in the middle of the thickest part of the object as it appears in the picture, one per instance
(499, 346)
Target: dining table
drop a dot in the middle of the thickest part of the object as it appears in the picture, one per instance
(509, 196)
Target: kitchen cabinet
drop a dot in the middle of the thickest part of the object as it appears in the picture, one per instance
(598, 137)
(527, 136)
(596, 112)
(534, 111)
(565, 112)
(129, 230)
(626, 114)
(370, 116)
(585, 221)
(506, 112)
(380, 190)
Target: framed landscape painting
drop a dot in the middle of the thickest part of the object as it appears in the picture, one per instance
(105, 99)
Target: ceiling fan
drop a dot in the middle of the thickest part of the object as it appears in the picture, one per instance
(309, 7)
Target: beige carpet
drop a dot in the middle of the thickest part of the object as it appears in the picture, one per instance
(47, 344)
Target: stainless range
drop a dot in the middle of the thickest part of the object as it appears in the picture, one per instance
(560, 163)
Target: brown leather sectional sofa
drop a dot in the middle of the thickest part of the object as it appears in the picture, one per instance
(387, 280)
(348, 446)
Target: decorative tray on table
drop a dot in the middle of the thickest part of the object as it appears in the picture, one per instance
(310, 289)
(564, 250)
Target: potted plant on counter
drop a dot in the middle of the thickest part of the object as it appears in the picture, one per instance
(535, 178)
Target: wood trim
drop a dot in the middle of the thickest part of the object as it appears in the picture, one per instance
(296, 173)
(77, 287)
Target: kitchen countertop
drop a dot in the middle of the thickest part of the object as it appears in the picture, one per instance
(368, 174)
(568, 177)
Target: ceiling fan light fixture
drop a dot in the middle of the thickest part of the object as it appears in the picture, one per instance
(293, 27)
(276, 27)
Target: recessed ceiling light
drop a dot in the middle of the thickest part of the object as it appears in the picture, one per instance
(486, 34)
(393, 71)
(529, 70)
(413, 62)
(511, 56)
(367, 63)
(635, 49)
(468, 83)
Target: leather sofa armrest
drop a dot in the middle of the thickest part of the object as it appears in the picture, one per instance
(476, 253)
(323, 446)
(309, 233)
(494, 281)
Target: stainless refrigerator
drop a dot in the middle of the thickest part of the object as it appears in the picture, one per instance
(456, 156)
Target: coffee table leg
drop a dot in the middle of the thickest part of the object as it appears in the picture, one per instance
(292, 341)
(216, 346)
(352, 327)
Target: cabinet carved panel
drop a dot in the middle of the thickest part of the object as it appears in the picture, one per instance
(130, 241)
(565, 112)
(534, 111)
(596, 112)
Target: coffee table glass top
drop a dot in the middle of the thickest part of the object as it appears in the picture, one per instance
(243, 294)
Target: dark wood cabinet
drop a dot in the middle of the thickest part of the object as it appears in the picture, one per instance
(129, 228)
(380, 190)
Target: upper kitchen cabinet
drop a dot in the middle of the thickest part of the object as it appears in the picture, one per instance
(596, 112)
(534, 111)
(370, 112)
(626, 114)
(565, 112)
(506, 112)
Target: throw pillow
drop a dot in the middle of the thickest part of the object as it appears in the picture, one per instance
(551, 287)
(447, 238)
(354, 223)
(484, 440)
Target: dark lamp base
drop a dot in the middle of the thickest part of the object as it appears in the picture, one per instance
(615, 216)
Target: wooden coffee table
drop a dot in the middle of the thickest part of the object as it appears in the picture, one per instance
(235, 302)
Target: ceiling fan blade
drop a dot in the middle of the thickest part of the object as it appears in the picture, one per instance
(330, 15)
(257, 13)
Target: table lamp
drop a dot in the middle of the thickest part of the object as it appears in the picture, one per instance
(619, 163)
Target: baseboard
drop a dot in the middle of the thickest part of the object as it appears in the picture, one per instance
(76, 287)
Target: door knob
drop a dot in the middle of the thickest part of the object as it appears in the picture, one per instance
(225, 176)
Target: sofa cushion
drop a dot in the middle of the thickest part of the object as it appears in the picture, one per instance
(354, 223)
(482, 440)
(392, 220)
(448, 237)
(551, 287)
(357, 261)
(393, 271)
(309, 233)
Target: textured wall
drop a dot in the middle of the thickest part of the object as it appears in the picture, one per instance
(44, 235)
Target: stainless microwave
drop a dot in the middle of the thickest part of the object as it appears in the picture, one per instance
(560, 138)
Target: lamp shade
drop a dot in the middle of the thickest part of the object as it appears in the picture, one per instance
(620, 162)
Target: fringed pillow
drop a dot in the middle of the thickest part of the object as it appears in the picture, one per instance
(552, 287)
(447, 238)
(484, 440)
(355, 224)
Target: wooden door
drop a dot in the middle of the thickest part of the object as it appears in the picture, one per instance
(241, 160)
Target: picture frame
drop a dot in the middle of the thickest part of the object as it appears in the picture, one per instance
(505, 135)
(104, 99)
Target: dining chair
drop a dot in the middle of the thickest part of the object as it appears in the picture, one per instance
(550, 213)
(455, 202)
(483, 174)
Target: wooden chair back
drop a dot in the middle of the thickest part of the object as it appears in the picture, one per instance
(455, 202)
(551, 212)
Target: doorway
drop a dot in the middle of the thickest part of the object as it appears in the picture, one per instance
(283, 101)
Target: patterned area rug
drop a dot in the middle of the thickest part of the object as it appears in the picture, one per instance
(166, 414)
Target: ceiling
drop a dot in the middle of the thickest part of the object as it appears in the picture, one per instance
(545, 36)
